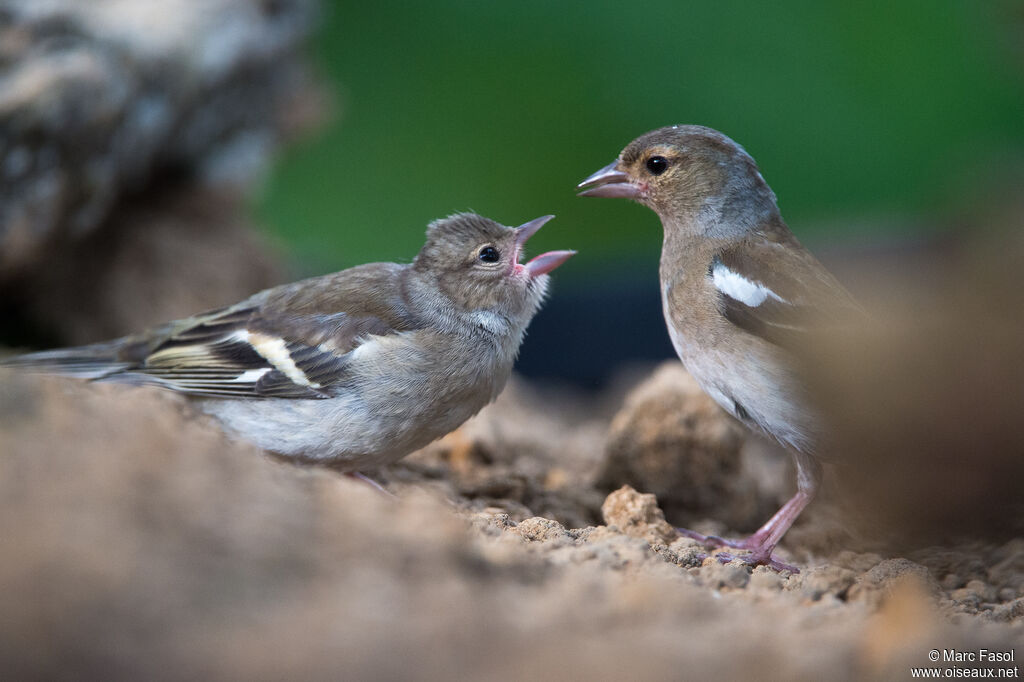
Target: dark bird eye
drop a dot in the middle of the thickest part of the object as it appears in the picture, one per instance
(489, 254)
(657, 165)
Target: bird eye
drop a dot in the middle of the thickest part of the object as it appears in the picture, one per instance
(657, 165)
(489, 254)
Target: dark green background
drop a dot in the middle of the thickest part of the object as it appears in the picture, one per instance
(871, 113)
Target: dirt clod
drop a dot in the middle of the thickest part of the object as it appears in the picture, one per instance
(638, 516)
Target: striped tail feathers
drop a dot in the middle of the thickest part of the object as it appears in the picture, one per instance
(96, 361)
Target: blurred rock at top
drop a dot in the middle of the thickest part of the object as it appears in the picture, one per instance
(121, 119)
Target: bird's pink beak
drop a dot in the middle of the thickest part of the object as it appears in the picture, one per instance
(609, 182)
(545, 262)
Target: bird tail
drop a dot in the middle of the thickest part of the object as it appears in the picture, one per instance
(97, 361)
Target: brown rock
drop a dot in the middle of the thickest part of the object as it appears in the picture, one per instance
(539, 529)
(716, 575)
(637, 515)
(905, 625)
(817, 581)
(97, 98)
(670, 439)
(889, 576)
(1010, 611)
(1008, 571)
(764, 578)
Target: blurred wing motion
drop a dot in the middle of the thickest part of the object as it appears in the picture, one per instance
(248, 350)
(779, 294)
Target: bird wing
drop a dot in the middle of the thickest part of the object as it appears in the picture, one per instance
(290, 342)
(770, 285)
(243, 353)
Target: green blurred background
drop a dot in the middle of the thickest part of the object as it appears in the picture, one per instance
(865, 117)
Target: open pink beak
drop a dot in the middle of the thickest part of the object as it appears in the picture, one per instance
(545, 262)
(609, 182)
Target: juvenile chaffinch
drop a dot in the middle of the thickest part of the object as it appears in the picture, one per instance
(738, 293)
(357, 368)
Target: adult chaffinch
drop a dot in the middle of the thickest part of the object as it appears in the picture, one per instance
(357, 368)
(739, 292)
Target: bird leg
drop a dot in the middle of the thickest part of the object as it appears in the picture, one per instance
(778, 524)
(762, 543)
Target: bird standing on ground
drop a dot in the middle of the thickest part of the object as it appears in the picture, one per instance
(738, 293)
(357, 368)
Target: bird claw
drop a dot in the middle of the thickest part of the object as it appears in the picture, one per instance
(759, 555)
(355, 475)
(693, 535)
(714, 540)
(757, 559)
(717, 541)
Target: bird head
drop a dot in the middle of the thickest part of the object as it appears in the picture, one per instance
(475, 262)
(689, 175)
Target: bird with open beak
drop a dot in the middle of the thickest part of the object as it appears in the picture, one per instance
(739, 293)
(357, 368)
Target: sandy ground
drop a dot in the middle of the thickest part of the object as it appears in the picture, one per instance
(140, 543)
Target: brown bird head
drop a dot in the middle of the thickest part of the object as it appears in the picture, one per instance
(691, 176)
(475, 262)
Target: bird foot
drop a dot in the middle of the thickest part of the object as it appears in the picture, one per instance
(757, 558)
(716, 541)
(760, 554)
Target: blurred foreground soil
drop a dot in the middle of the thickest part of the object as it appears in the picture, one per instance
(138, 542)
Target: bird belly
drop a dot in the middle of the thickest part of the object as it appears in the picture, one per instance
(754, 384)
(339, 428)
